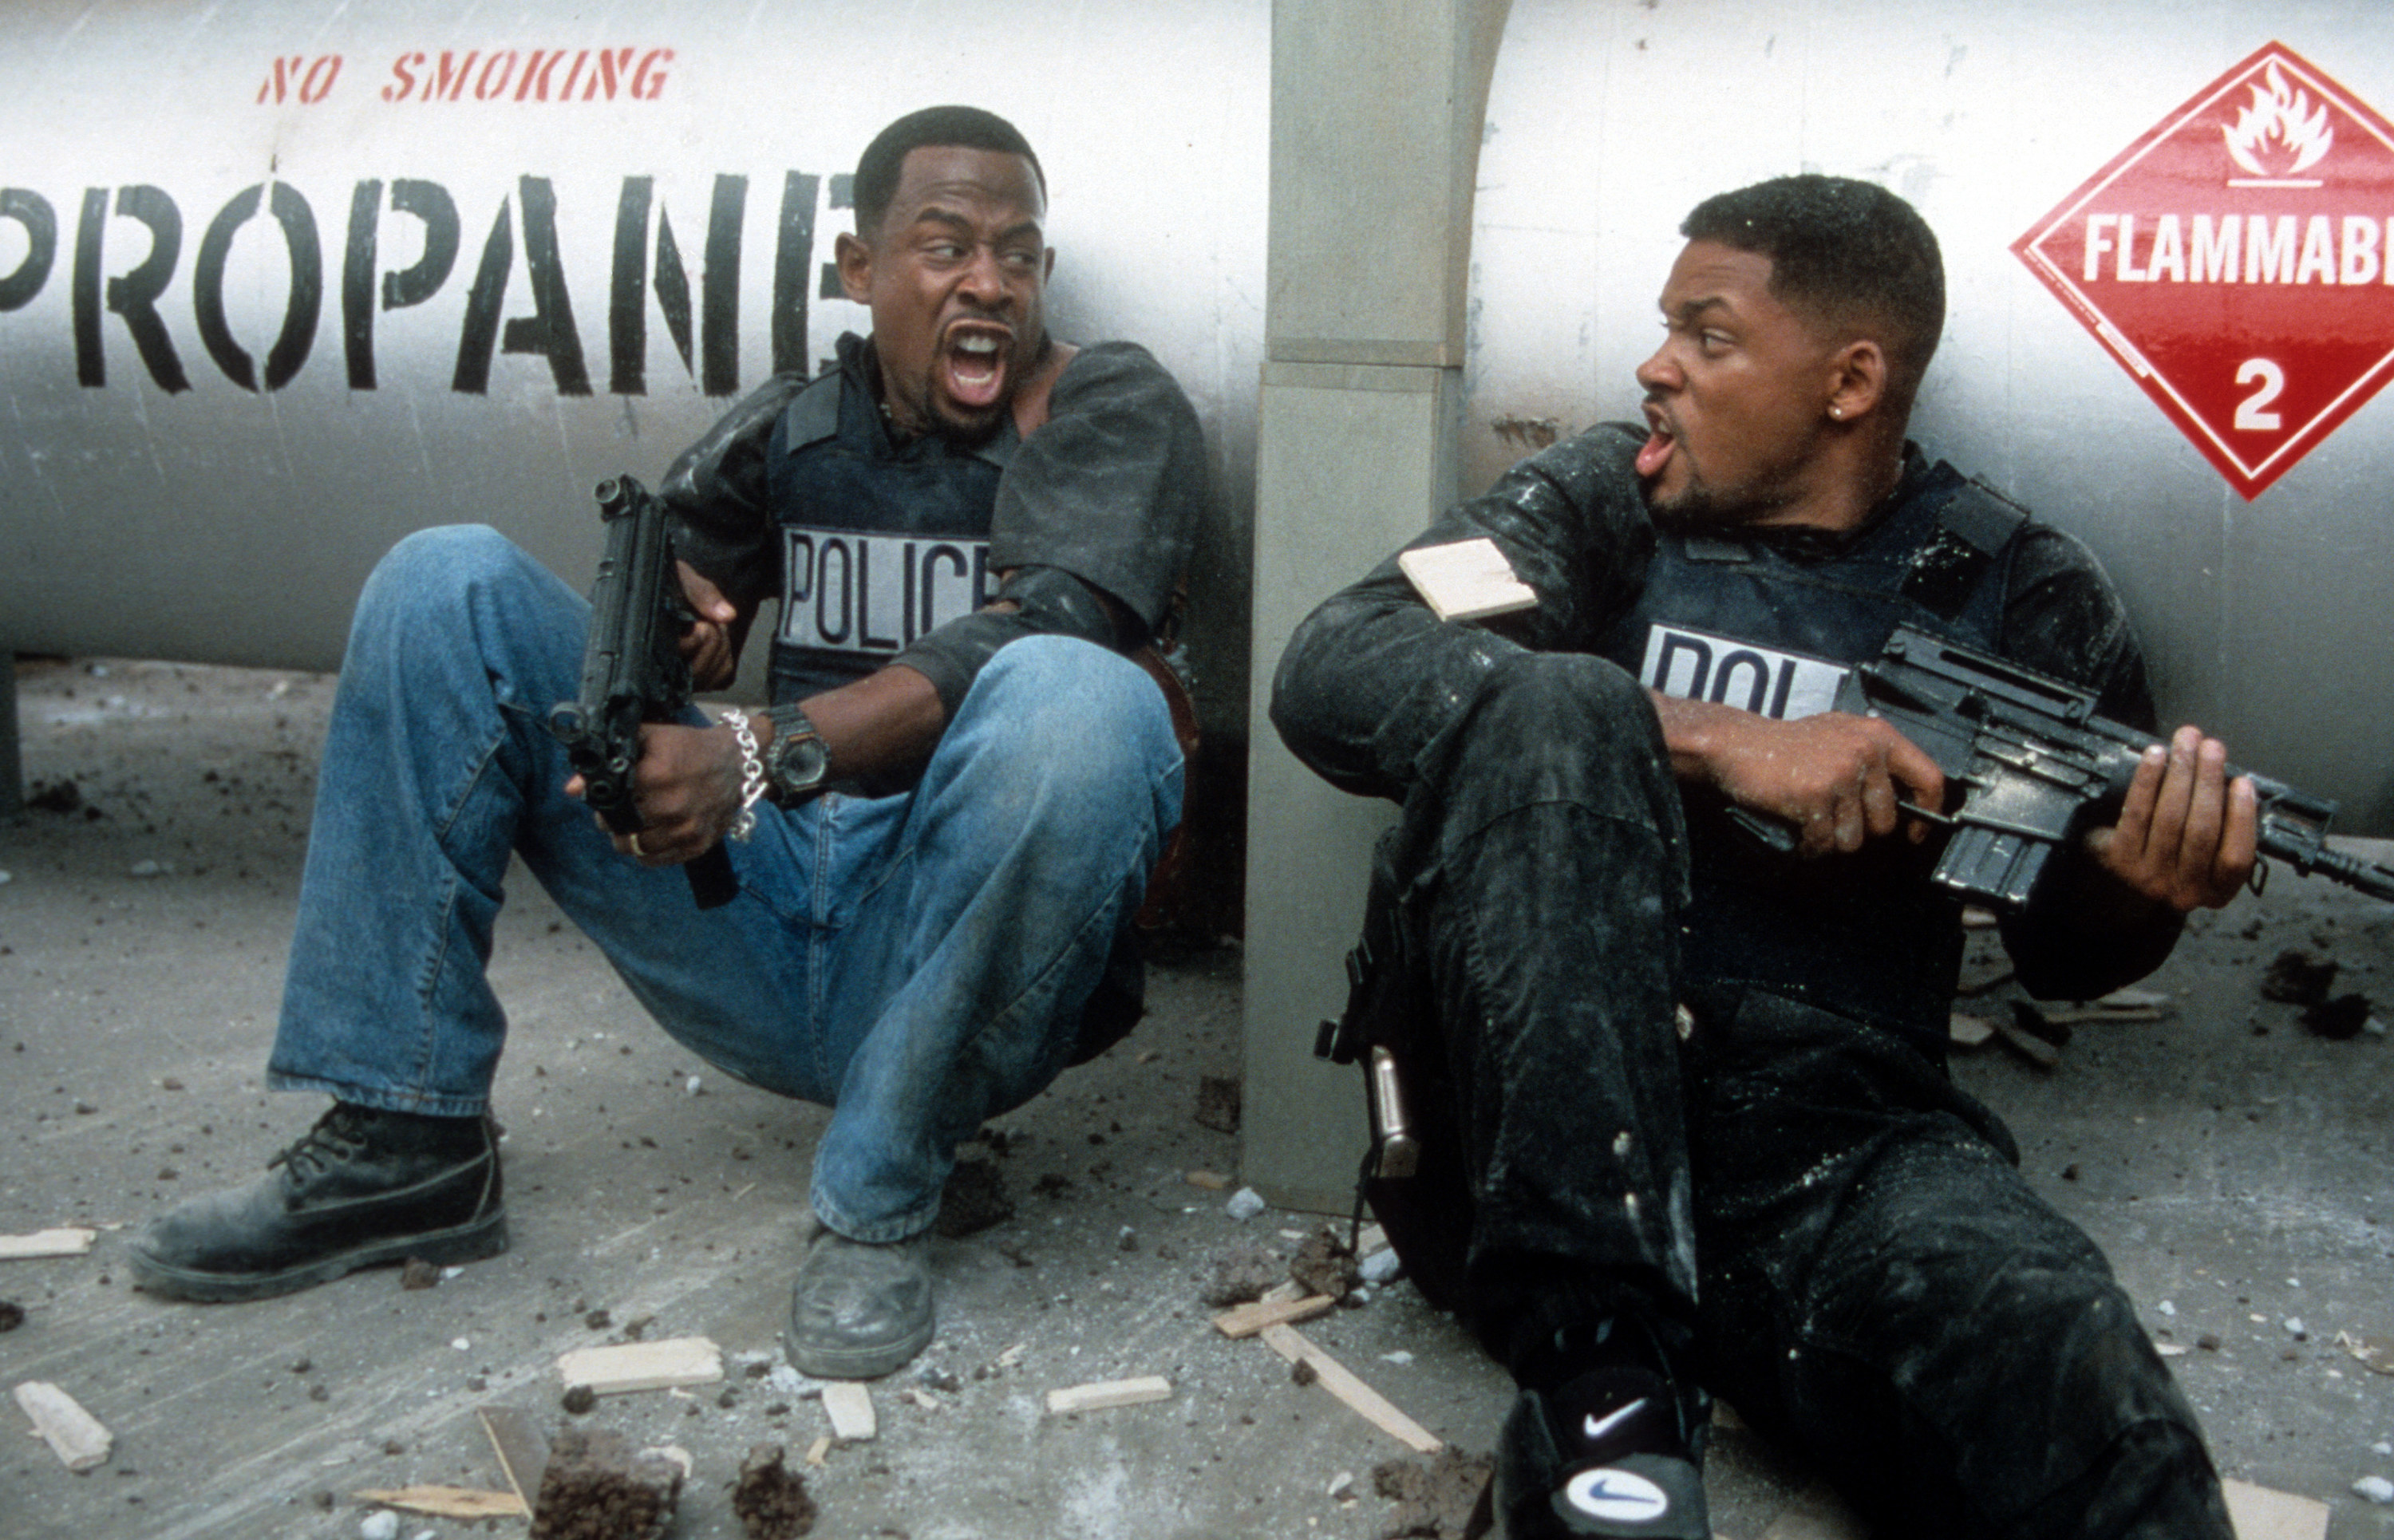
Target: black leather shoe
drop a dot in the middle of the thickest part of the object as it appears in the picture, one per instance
(860, 1311)
(1608, 1454)
(363, 1188)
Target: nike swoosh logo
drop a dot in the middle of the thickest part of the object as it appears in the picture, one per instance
(1593, 1429)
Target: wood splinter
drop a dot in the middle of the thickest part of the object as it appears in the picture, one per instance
(1340, 1381)
(74, 1435)
(1107, 1394)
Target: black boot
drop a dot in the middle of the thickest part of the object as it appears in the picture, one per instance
(361, 1189)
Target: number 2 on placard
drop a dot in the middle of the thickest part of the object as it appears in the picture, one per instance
(2273, 379)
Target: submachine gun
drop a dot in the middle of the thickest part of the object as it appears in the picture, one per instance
(633, 671)
(2035, 766)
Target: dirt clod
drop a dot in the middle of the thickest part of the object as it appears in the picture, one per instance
(1444, 1498)
(2298, 979)
(578, 1399)
(54, 796)
(596, 1488)
(12, 1315)
(2339, 1018)
(974, 1200)
(1218, 1104)
(419, 1274)
(1324, 1265)
(1238, 1274)
(771, 1499)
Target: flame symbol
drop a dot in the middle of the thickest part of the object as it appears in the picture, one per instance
(2283, 114)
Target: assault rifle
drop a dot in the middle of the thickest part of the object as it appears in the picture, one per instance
(2034, 766)
(633, 670)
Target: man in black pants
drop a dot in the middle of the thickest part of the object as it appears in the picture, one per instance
(1697, 1091)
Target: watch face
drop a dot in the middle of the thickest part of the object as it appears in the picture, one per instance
(797, 763)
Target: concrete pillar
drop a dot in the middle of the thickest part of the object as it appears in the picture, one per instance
(1376, 114)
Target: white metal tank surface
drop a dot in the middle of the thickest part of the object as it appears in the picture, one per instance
(2266, 618)
(280, 283)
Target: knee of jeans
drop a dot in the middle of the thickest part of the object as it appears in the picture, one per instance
(435, 565)
(1087, 719)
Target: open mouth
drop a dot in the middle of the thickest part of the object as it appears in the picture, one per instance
(973, 364)
(1661, 439)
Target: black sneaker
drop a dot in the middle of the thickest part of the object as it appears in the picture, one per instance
(1608, 1454)
(361, 1189)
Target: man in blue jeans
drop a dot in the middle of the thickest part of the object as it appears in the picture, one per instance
(940, 826)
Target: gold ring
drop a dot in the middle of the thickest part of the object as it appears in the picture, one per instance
(634, 843)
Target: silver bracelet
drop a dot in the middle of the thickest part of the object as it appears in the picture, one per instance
(752, 774)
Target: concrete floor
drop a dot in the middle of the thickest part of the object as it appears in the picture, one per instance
(2232, 1165)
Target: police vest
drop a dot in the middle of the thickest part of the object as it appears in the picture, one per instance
(1743, 623)
(880, 543)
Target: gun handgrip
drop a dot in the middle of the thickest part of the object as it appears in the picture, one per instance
(712, 883)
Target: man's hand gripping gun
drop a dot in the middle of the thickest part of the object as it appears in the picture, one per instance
(633, 671)
(2034, 766)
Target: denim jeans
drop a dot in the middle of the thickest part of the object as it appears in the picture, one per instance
(917, 962)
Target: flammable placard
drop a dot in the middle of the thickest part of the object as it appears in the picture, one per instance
(2239, 261)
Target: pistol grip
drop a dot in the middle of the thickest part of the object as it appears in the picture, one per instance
(712, 884)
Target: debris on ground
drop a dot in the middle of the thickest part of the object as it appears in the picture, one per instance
(1218, 1104)
(642, 1366)
(1968, 1030)
(522, 1449)
(771, 1499)
(849, 1406)
(2296, 978)
(54, 796)
(596, 1488)
(1249, 1320)
(74, 1435)
(1107, 1394)
(1240, 1273)
(2374, 1356)
(418, 1273)
(67, 1240)
(974, 1200)
(2377, 1489)
(2050, 1022)
(12, 1315)
(2337, 1019)
(1324, 1265)
(1444, 1498)
(1245, 1204)
(2026, 1041)
(1211, 1181)
(2258, 1513)
(1341, 1382)
(446, 1501)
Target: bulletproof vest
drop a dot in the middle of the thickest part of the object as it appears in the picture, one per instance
(1769, 626)
(880, 542)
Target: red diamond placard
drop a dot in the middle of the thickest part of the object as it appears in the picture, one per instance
(2239, 261)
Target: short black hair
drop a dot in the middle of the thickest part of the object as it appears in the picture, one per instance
(1848, 251)
(968, 127)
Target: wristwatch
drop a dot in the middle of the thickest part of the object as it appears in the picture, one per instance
(795, 761)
